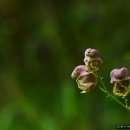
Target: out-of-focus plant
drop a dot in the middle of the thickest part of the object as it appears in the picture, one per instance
(87, 78)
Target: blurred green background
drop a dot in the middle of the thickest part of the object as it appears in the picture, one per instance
(41, 42)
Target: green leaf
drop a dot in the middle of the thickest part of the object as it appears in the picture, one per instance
(129, 88)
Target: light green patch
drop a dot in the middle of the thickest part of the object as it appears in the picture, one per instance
(129, 88)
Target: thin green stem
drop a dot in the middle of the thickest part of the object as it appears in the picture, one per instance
(113, 97)
(126, 101)
(117, 100)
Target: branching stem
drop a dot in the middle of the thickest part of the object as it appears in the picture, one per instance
(104, 89)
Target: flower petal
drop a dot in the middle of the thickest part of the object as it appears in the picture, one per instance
(120, 90)
(86, 82)
(119, 74)
(77, 71)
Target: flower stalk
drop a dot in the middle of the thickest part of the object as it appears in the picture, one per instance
(104, 89)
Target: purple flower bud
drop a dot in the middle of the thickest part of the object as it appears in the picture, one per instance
(92, 53)
(119, 75)
(86, 81)
(120, 78)
(77, 71)
(92, 60)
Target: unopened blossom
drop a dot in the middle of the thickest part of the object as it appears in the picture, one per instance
(92, 60)
(92, 53)
(85, 80)
(120, 78)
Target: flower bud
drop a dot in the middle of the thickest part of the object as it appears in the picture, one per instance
(120, 78)
(86, 81)
(92, 60)
(91, 53)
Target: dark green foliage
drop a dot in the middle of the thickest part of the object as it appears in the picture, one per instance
(40, 44)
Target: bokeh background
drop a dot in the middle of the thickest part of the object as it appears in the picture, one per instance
(41, 42)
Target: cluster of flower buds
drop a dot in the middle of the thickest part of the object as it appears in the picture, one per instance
(85, 74)
(86, 77)
(120, 78)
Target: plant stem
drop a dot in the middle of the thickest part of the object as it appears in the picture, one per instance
(113, 97)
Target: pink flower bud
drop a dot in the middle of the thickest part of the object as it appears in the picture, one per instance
(120, 78)
(119, 74)
(86, 81)
(92, 60)
(92, 53)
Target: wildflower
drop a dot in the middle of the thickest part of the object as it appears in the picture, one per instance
(92, 60)
(120, 78)
(85, 80)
